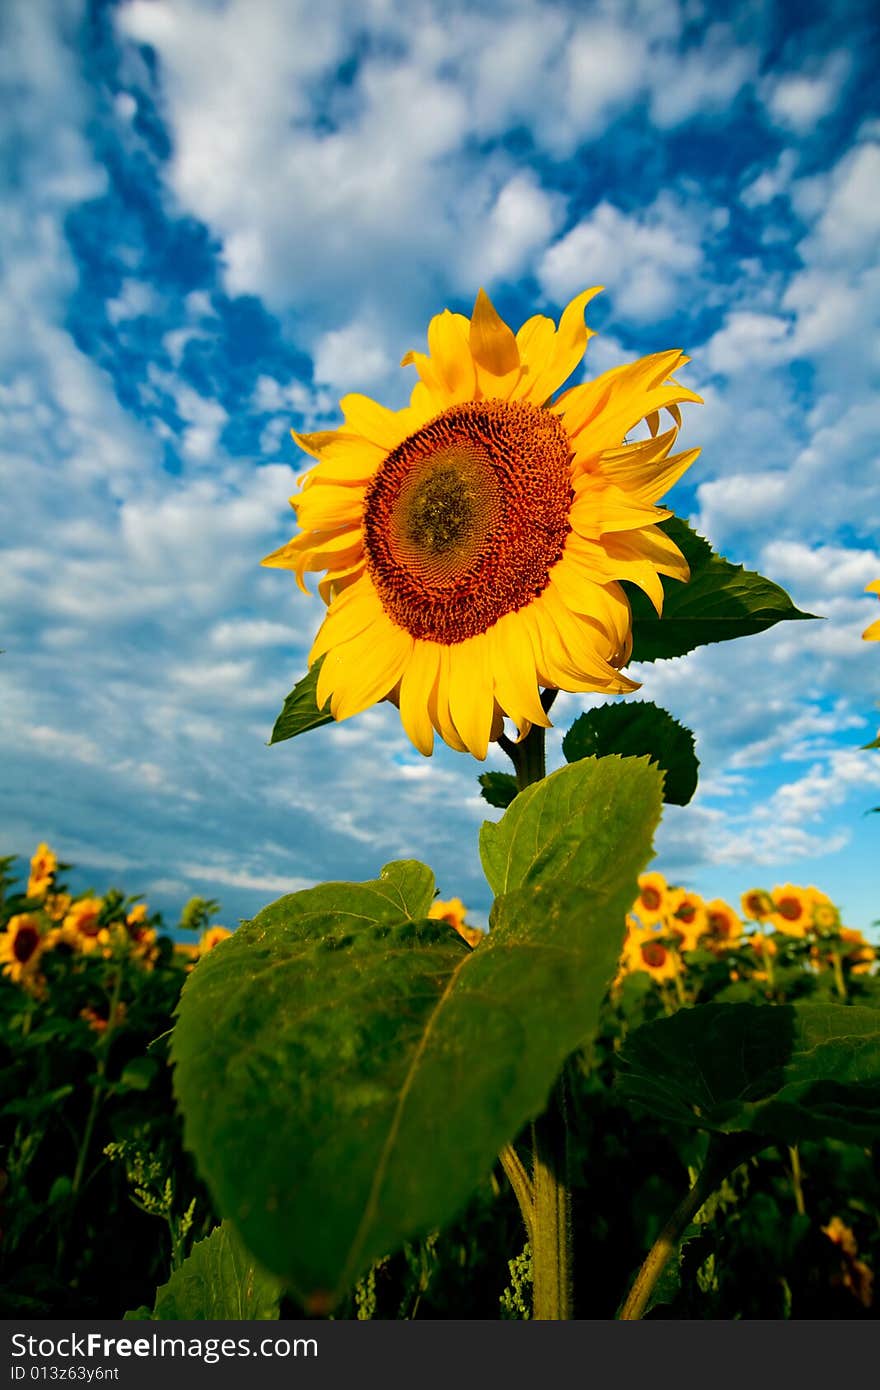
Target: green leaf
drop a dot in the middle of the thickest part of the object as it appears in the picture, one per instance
(543, 835)
(140, 1073)
(348, 1070)
(790, 1071)
(634, 727)
(218, 1280)
(300, 712)
(498, 788)
(720, 601)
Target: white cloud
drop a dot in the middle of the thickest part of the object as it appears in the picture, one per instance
(136, 298)
(350, 357)
(799, 100)
(642, 258)
(522, 221)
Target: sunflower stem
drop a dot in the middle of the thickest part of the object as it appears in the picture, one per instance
(551, 1221)
(725, 1153)
(545, 1201)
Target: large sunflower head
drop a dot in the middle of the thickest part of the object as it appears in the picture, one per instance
(474, 542)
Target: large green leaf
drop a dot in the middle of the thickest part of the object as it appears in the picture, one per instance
(720, 601)
(348, 1071)
(632, 728)
(542, 835)
(790, 1071)
(300, 712)
(218, 1280)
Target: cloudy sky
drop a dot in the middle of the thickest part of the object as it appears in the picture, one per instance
(221, 215)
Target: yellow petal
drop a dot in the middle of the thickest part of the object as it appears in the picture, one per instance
(569, 345)
(513, 666)
(494, 351)
(438, 705)
(376, 422)
(451, 356)
(416, 689)
(471, 702)
(349, 613)
(365, 669)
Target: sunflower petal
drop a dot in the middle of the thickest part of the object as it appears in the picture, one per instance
(471, 703)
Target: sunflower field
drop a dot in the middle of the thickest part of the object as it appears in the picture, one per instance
(619, 1100)
(104, 1213)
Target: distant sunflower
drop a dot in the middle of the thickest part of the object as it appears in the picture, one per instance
(653, 901)
(21, 946)
(474, 542)
(793, 909)
(872, 633)
(44, 866)
(723, 925)
(82, 926)
(644, 950)
(454, 912)
(757, 904)
(688, 920)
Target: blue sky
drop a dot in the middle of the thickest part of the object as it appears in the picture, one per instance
(221, 215)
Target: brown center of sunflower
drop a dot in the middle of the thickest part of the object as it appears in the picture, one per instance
(651, 899)
(686, 913)
(27, 939)
(654, 954)
(719, 924)
(789, 908)
(465, 519)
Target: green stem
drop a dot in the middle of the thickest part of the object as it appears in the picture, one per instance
(551, 1228)
(724, 1155)
(839, 981)
(521, 1183)
(545, 1199)
(797, 1179)
(98, 1088)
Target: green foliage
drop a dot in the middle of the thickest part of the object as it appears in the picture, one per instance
(498, 788)
(719, 602)
(218, 1280)
(789, 1072)
(300, 711)
(633, 728)
(362, 1039)
(582, 823)
(196, 915)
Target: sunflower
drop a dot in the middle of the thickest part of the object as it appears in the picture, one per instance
(211, 938)
(872, 633)
(82, 925)
(454, 912)
(21, 946)
(757, 905)
(473, 543)
(44, 866)
(825, 916)
(687, 918)
(857, 952)
(644, 950)
(653, 901)
(793, 909)
(722, 923)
